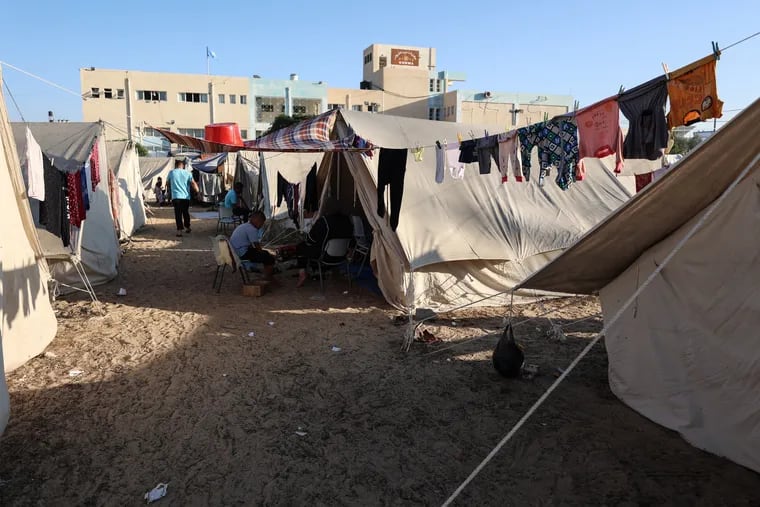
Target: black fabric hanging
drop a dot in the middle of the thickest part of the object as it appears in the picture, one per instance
(54, 211)
(644, 107)
(311, 196)
(391, 169)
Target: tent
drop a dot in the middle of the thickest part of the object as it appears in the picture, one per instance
(69, 146)
(458, 242)
(27, 322)
(152, 168)
(123, 161)
(684, 353)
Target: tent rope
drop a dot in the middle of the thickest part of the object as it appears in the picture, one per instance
(605, 329)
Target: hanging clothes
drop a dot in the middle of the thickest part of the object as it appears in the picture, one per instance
(113, 189)
(440, 161)
(694, 96)
(54, 213)
(311, 196)
(508, 158)
(456, 168)
(644, 107)
(467, 152)
(391, 169)
(642, 180)
(94, 166)
(557, 142)
(290, 192)
(35, 168)
(77, 211)
(83, 184)
(417, 152)
(488, 148)
(599, 134)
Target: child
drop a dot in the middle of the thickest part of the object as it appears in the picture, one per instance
(159, 190)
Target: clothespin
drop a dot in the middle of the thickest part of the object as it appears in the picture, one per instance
(667, 71)
(576, 105)
(459, 137)
(716, 50)
(438, 144)
(546, 116)
(621, 90)
(472, 135)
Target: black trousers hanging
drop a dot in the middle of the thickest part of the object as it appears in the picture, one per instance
(391, 169)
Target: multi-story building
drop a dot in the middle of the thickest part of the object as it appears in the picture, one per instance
(397, 80)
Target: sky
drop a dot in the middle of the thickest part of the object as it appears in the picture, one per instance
(583, 48)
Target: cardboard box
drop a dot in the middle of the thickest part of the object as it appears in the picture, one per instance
(255, 288)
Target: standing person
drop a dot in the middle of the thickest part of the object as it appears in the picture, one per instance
(159, 190)
(246, 240)
(234, 200)
(181, 182)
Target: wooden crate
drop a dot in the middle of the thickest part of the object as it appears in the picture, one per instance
(256, 288)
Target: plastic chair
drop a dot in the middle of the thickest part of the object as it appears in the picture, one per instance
(334, 253)
(226, 218)
(362, 243)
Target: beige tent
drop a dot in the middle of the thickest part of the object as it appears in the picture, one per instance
(27, 322)
(68, 146)
(462, 240)
(684, 354)
(123, 161)
(152, 168)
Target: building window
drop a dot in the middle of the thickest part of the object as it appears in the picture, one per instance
(438, 85)
(437, 113)
(367, 58)
(282, 108)
(244, 99)
(119, 93)
(95, 93)
(192, 97)
(107, 93)
(432, 85)
(200, 133)
(151, 96)
(431, 113)
(267, 108)
(221, 98)
(150, 132)
(357, 107)
(383, 61)
(244, 133)
(334, 106)
(233, 98)
(299, 109)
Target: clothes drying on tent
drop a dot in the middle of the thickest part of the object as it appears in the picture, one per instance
(694, 96)
(77, 211)
(54, 212)
(391, 169)
(311, 195)
(35, 168)
(644, 106)
(467, 153)
(209, 186)
(600, 134)
(488, 149)
(115, 201)
(557, 143)
(508, 156)
(290, 192)
(94, 167)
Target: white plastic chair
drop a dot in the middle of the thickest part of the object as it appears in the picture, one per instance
(226, 219)
(334, 253)
(361, 242)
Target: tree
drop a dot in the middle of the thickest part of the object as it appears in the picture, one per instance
(283, 120)
(683, 145)
(142, 151)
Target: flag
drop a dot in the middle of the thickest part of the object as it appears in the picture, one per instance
(210, 53)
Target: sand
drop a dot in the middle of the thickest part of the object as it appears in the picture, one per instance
(174, 389)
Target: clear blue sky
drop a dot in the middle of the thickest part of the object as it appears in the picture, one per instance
(584, 48)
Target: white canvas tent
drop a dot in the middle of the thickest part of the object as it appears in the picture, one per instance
(68, 146)
(463, 240)
(123, 161)
(152, 168)
(685, 353)
(27, 322)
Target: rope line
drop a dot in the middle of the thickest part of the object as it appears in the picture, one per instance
(604, 330)
(54, 85)
(739, 42)
(14, 100)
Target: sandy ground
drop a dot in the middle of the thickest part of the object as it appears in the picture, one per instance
(175, 390)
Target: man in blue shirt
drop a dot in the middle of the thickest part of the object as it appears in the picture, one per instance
(234, 200)
(246, 240)
(180, 183)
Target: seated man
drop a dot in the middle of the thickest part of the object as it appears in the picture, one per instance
(234, 200)
(331, 225)
(246, 240)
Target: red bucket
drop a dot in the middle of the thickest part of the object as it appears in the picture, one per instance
(224, 133)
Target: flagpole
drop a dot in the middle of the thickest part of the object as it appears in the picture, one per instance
(208, 64)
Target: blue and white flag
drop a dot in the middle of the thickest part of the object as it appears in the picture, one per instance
(210, 53)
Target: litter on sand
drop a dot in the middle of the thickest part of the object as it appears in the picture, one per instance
(122, 292)
(251, 334)
(271, 323)
(156, 493)
(301, 433)
(335, 348)
(75, 373)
